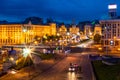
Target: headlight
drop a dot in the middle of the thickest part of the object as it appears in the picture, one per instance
(73, 69)
(70, 69)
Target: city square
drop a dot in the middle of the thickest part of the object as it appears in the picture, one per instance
(59, 40)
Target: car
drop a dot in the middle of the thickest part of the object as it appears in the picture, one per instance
(73, 67)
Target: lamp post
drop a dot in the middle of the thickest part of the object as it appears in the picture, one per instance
(78, 34)
(26, 54)
(68, 34)
(58, 42)
(106, 39)
(114, 41)
(24, 31)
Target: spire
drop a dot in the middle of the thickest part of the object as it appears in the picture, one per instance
(29, 22)
(73, 21)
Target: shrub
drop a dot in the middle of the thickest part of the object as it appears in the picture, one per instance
(23, 62)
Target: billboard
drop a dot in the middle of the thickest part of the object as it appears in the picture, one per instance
(112, 6)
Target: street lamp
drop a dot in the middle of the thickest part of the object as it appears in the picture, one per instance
(106, 39)
(114, 41)
(24, 31)
(78, 33)
(12, 59)
(26, 53)
(36, 43)
(58, 34)
(13, 71)
(68, 34)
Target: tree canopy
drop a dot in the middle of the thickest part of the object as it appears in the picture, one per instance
(97, 38)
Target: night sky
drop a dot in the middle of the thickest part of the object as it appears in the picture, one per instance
(61, 10)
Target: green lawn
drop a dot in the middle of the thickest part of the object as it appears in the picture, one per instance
(105, 72)
(23, 62)
(46, 56)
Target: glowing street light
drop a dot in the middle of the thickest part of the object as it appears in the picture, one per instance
(26, 52)
(118, 49)
(36, 42)
(78, 33)
(45, 36)
(90, 33)
(13, 71)
(114, 40)
(68, 33)
(24, 30)
(11, 58)
(58, 34)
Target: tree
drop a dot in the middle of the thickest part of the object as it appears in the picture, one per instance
(97, 38)
(49, 20)
(34, 20)
(37, 38)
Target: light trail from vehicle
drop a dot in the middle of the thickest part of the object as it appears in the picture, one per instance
(71, 76)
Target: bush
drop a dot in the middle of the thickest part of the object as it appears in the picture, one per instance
(46, 56)
(23, 62)
(105, 72)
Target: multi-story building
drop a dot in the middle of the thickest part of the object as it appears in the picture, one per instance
(74, 30)
(24, 33)
(62, 30)
(98, 29)
(110, 33)
(87, 30)
(112, 11)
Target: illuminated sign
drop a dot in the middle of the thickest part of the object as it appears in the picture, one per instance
(112, 6)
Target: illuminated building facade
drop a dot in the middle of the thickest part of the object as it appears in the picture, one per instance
(74, 30)
(97, 29)
(110, 33)
(87, 30)
(24, 33)
(62, 30)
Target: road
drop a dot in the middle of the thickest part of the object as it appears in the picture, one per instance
(85, 44)
(60, 70)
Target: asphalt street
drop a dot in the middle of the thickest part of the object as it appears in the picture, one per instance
(60, 70)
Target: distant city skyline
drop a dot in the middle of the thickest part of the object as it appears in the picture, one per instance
(59, 10)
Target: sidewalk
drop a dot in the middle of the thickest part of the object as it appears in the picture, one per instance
(114, 53)
(30, 72)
